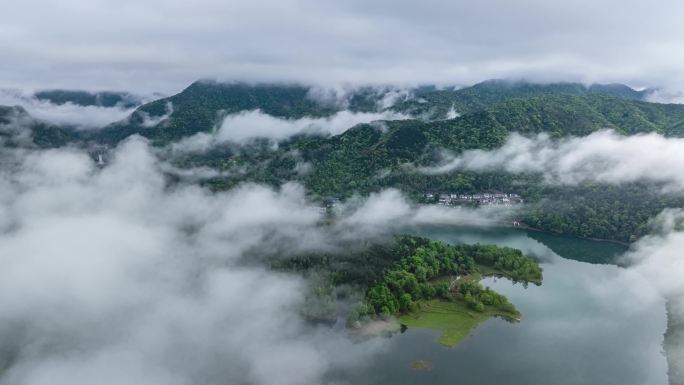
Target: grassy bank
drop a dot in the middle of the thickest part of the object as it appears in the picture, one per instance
(453, 319)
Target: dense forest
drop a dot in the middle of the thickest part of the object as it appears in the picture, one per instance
(199, 107)
(397, 274)
(560, 109)
(619, 213)
(436, 103)
(84, 98)
(413, 277)
(369, 157)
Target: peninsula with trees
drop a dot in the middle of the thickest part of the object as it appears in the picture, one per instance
(418, 282)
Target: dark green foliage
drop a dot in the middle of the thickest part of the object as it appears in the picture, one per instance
(85, 98)
(441, 290)
(17, 126)
(397, 273)
(201, 106)
(410, 278)
(359, 265)
(370, 157)
(366, 99)
(599, 211)
(505, 261)
(561, 115)
(48, 136)
(477, 297)
(431, 103)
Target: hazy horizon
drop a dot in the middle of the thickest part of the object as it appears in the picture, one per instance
(162, 46)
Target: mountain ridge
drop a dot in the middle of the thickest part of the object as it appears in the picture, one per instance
(200, 106)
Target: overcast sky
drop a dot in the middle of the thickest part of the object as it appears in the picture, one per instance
(163, 45)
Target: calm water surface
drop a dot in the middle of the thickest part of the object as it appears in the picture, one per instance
(587, 324)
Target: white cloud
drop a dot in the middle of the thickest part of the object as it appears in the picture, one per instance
(657, 257)
(666, 95)
(389, 211)
(16, 127)
(152, 121)
(452, 113)
(112, 275)
(82, 117)
(603, 156)
(386, 42)
(336, 96)
(247, 125)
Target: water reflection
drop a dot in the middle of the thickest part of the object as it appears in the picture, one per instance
(587, 324)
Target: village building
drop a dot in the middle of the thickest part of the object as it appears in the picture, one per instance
(485, 199)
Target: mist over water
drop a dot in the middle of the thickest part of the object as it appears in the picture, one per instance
(150, 262)
(587, 323)
(114, 275)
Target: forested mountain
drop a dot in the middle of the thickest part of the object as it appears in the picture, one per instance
(18, 127)
(201, 106)
(85, 98)
(370, 157)
(399, 273)
(366, 158)
(437, 103)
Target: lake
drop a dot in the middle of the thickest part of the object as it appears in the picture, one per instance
(589, 323)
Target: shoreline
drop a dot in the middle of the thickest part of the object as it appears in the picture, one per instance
(524, 226)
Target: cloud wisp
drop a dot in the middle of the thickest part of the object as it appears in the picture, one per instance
(603, 156)
(248, 125)
(113, 277)
(70, 114)
(658, 258)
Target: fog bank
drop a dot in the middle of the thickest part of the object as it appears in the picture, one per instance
(603, 156)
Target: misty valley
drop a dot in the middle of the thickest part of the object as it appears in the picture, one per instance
(281, 233)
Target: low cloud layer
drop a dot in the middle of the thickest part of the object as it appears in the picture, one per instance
(340, 95)
(112, 275)
(69, 44)
(658, 257)
(247, 125)
(14, 127)
(153, 121)
(603, 156)
(82, 117)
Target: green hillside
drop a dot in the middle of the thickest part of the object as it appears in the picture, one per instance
(435, 104)
(85, 98)
(201, 106)
(17, 126)
(370, 157)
